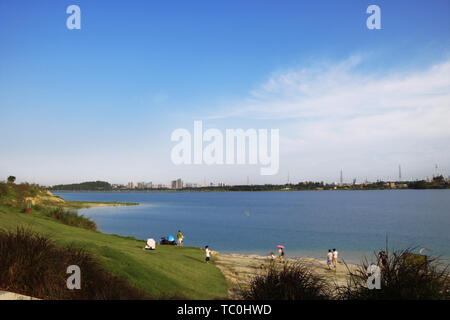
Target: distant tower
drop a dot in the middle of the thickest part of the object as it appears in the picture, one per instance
(288, 178)
(399, 173)
(436, 170)
(342, 178)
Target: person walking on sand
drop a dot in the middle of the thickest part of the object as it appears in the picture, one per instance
(335, 258)
(280, 253)
(180, 238)
(208, 254)
(329, 258)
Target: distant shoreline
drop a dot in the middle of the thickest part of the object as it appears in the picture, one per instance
(210, 191)
(96, 204)
(438, 182)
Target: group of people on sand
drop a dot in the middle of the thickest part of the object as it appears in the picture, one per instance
(280, 255)
(332, 259)
(332, 256)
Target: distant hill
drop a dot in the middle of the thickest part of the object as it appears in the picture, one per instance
(84, 186)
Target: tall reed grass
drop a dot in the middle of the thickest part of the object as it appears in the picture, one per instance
(33, 265)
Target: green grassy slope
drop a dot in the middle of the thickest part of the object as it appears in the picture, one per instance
(167, 272)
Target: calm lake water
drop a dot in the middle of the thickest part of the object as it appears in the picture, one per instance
(306, 223)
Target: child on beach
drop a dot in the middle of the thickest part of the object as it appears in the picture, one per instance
(208, 254)
(329, 259)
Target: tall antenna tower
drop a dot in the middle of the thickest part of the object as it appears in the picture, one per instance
(288, 181)
(399, 173)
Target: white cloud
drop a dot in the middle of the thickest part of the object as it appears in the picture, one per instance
(345, 111)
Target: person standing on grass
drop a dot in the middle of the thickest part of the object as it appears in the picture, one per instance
(329, 259)
(335, 258)
(208, 254)
(180, 238)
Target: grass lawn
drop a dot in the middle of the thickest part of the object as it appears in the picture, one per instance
(167, 272)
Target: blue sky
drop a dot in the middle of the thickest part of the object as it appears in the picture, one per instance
(101, 102)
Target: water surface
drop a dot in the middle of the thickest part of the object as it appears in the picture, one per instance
(308, 223)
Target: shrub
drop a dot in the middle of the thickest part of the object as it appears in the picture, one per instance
(293, 281)
(405, 275)
(72, 218)
(15, 194)
(33, 265)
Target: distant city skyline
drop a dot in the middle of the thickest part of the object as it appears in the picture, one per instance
(101, 102)
(179, 183)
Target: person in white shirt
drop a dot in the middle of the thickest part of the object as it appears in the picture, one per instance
(208, 254)
(329, 258)
(335, 258)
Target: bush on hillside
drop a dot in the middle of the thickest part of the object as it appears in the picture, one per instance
(405, 275)
(33, 265)
(71, 218)
(15, 194)
(293, 281)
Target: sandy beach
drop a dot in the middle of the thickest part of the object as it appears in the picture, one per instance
(239, 269)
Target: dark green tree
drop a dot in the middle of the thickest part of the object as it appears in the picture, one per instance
(11, 179)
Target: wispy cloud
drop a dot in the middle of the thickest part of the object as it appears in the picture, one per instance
(341, 91)
(347, 110)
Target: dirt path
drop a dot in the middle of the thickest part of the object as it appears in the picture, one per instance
(5, 295)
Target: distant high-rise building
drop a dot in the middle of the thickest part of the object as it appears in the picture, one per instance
(130, 185)
(179, 184)
(399, 173)
(174, 184)
(141, 185)
(341, 179)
